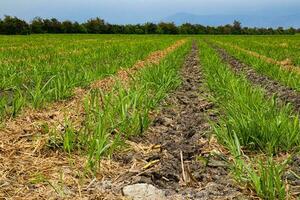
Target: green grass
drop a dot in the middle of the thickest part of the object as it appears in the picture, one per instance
(278, 47)
(250, 123)
(260, 173)
(114, 116)
(288, 78)
(42, 68)
(259, 124)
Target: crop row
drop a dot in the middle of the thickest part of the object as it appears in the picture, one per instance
(107, 117)
(255, 129)
(115, 115)
(289, 77)
(33, 77)
(279, 48)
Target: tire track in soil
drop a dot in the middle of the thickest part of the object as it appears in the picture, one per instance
(182, 128)
(271, 87)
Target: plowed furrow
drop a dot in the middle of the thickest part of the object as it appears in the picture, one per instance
(180, 159)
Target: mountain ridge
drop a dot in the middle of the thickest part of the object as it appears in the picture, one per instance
(290, 20)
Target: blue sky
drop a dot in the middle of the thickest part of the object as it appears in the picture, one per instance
(139, 11)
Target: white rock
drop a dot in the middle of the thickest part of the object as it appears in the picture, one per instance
(143, 191)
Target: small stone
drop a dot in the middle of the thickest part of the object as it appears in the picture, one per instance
(143, 191)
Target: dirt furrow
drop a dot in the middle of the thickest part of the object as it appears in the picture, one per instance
(182, 160)
(272, 87)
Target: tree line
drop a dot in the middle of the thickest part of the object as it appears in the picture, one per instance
(14, 26)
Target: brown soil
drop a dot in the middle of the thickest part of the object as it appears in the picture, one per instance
(177, 153)
(272, 87)
(293, 175)
(28, 171)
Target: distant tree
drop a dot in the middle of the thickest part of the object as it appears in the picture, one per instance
(54, 26)
(245, 31)
(270, 31)
(290, 31)
(115, 29)
(47, 25)
(67, 27)
(167, 28)
(150, 28)
(200, 29)
(138, 29)
(228, 29)
(187, 28)
(78, 28)
(280, 30)
(254, 31)
(37, 25)
(129, 29)
(237, 27)
(96, 25)
(261, 31)
(219, 30)
(225, 30)
(211, 30)
(14, 26)
(1, 27)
